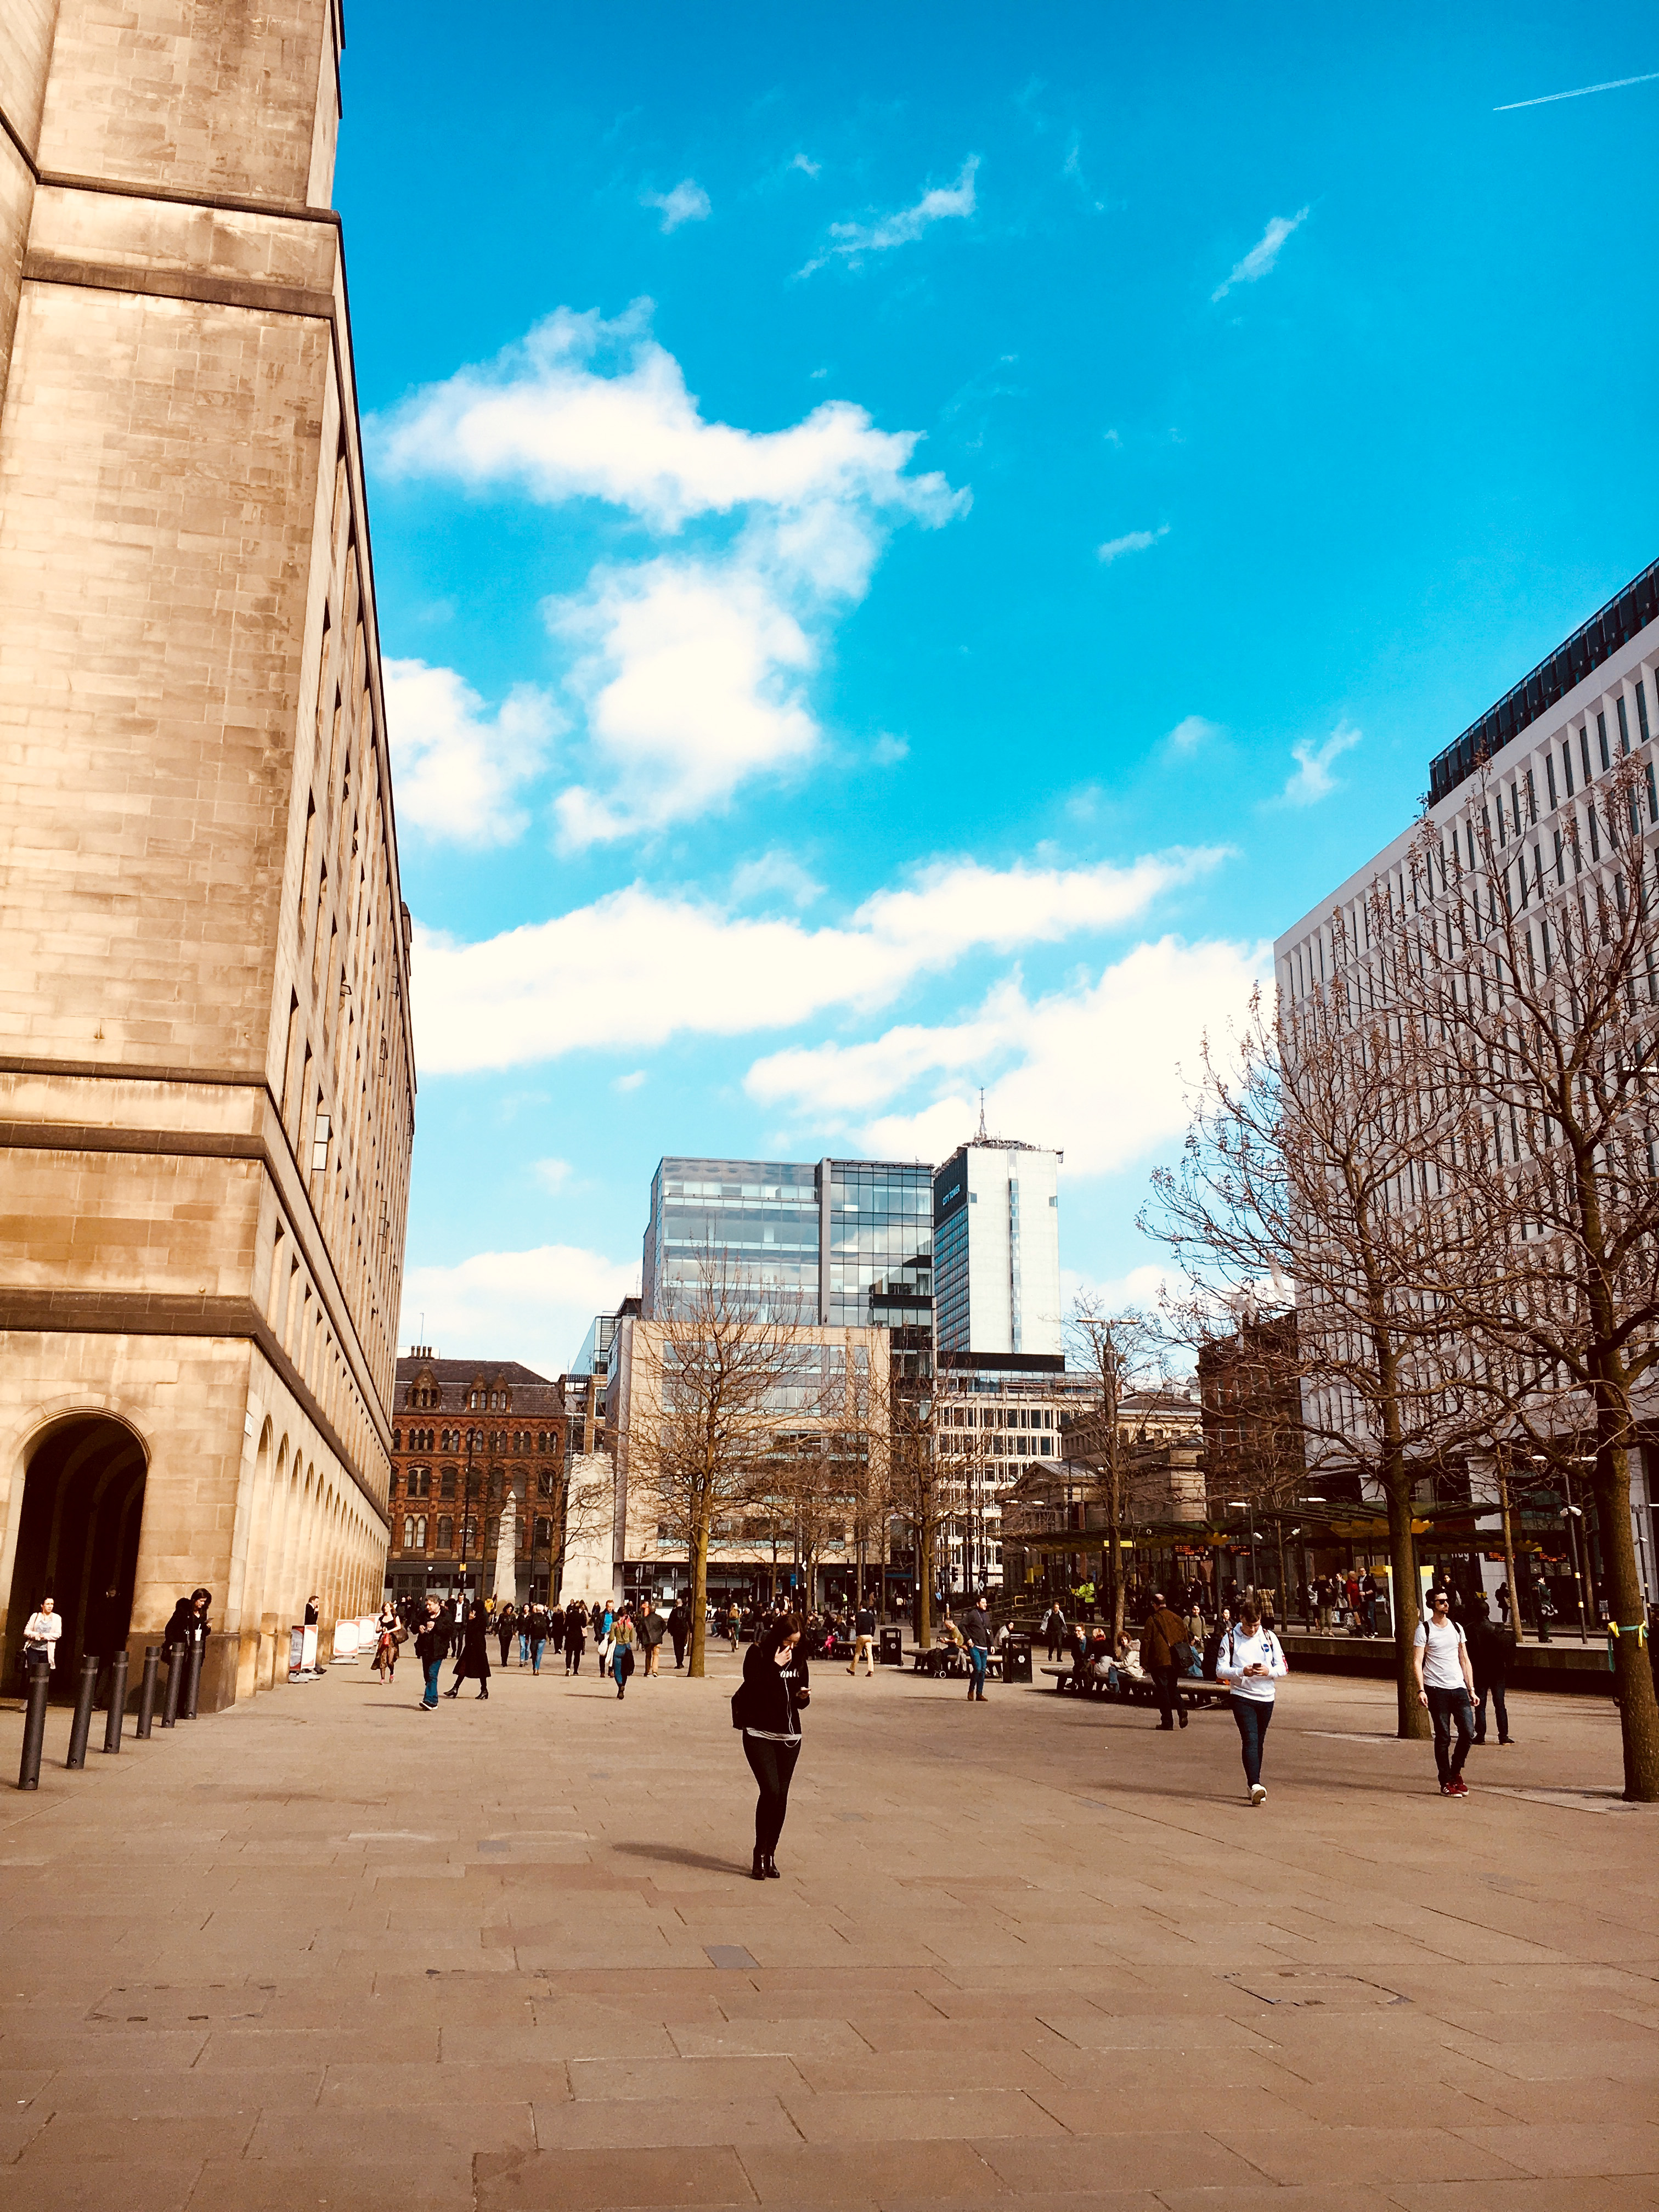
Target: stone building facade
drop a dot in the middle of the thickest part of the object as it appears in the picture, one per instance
(472, 1440)
(207, 1082)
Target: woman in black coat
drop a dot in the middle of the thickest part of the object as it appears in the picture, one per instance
(473, 1665)
(575, 1635)
(767, 1710)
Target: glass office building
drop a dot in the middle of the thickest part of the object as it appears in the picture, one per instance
(843, 1242)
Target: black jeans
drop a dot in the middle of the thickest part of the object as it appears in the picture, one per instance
(1495, 1691)
(1168, 1695)
(1450, 1708)
(1253, 1715)
(773, 1766)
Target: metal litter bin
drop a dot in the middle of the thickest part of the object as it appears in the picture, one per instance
(1016, 1659)
(892, 1647)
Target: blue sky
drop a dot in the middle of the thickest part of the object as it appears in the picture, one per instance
(911, 541)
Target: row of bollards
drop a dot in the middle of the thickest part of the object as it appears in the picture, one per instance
(182, 1689)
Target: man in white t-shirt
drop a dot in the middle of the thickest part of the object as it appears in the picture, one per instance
(1446, 1683)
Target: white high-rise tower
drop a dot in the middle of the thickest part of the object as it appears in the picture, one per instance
(996, 1250)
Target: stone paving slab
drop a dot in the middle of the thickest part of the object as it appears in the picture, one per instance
(321, 1951)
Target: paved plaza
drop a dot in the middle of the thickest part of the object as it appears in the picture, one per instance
(321, 1951)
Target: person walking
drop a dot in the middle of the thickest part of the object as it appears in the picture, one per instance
(1445, 1681)
(534, 1631)
(864, 1643)
(621, 1650)
(768, 1708)
(1251, 1659)
(389, 1636)
(473, 1665)
(506, 1621)
(431, 1648)
(651, 1630)
(733, 1623)
(41, 1633)
(1054, 1624)
(575, 1635)
(976, 1645)
(604, 1622)
(1164, 1655)
(1490, 1644)
(679, 1631)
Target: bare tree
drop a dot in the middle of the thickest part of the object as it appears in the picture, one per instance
(1541, 979)
(1123, 1351)
(920, 1488)
(709, 1406)
(1306, 1164)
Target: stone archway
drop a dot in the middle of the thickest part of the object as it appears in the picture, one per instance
(77, 1542)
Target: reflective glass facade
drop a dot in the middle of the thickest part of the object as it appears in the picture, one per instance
(880, 1244)
(845, 1243)
(761, 1215)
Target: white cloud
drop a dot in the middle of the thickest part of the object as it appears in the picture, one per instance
(1095, 1070)
(534, 1306)
(889, 750)
(552, 1174)
(851, 241)
(1133, 541)
(1191, 735)
(673, 964)
(627, 1083)
(687, 202)
(774, 874)
(1312, 780)
(587, 408)
(693, 666)
(1262, 255)
(807, 167)
(459, 771)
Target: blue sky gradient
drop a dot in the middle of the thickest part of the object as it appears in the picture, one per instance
(1220, 416)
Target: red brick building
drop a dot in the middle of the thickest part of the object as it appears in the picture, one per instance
(473, 1439)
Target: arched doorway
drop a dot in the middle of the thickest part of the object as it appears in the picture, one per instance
(77, 1543)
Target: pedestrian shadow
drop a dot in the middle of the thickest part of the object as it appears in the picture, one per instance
(671, 1855)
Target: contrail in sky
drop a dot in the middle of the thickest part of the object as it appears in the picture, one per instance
(1613, 84)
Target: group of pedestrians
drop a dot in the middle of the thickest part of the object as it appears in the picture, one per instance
(625, 1637)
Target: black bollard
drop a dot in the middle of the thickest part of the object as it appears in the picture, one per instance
(34, 1725)
(175, 1682)
(118, 1700)
(81, 1727)
(193, 1681)
(146, 1689)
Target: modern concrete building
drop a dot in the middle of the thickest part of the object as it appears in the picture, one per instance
(996, 1253)
(206, 1063)
(1525, 779)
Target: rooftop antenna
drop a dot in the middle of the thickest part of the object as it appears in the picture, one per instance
(981, 1113)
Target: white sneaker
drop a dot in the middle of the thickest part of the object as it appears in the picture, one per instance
(1258, 1793)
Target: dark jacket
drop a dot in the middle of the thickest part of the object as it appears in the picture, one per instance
(770, 1692)
(473, 1665)
(651, 1628)
(1163, 1630)
(186, 1626)
(431, 1642)
(977, 1626)
(679, 1626)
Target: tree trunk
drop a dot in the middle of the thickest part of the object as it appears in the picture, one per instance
(1632, 1669)
(924, 1586)
(1412, 1718)
(694, 1665)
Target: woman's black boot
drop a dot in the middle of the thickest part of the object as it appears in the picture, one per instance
(758, 1870)
(770, 1865)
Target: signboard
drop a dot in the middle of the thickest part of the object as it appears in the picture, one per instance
(296, 1651)
(308, 1650)
(347, 1637)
